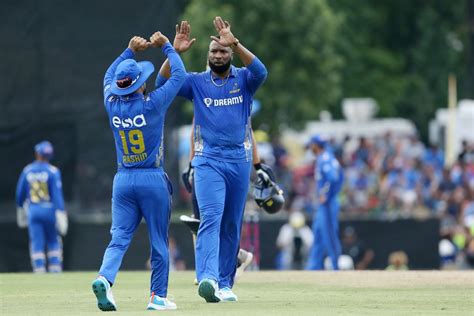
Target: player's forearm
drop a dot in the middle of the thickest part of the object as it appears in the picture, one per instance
(176, 69)
(324, 190)
(244, 54)
(175, 64)
(256, 156)
(20, 194)
(165, 70)
(168, 91)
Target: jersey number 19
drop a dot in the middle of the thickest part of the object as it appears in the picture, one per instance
(132, 140)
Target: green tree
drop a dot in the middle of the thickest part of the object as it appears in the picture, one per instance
(400, 52)
(296, 41)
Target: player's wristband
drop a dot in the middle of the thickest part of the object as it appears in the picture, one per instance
(257, 166)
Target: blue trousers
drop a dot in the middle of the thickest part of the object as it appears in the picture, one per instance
(43, 235)
(137, 194)
(221, 191)
(326, 236)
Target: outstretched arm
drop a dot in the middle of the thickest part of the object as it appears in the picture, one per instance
(257, 69)
(163, 96)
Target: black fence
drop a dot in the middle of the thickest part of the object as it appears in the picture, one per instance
(54, 56)
(85, 244)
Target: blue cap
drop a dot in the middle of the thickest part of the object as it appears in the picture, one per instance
(317, 140)
(44, 149)
(130, 76)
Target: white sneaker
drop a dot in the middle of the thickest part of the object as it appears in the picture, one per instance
(160, 303)
(246, 258)
(209, 290)
(227, 295)
(103, 293)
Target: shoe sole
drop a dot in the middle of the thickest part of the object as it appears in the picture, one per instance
(208, 292)
(155, 307)
(100, 291)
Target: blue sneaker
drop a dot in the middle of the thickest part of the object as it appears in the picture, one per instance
(159, 303)
(209, 291)
(103, 293)
(227, 295)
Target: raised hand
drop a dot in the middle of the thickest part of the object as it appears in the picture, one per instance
(158, 39)
(226, 38)
(138, 44)
(182, 41)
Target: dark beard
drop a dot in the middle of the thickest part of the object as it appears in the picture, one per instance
(219, 69)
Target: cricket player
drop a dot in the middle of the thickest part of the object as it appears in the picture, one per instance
(329, 179)
(141, 188)
(40, 206)
(222, 98)
(244, 257)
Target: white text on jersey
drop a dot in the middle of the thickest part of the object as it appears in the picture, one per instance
(223, 102)
(137, 121)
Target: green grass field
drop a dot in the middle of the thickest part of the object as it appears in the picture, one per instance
(260, 293)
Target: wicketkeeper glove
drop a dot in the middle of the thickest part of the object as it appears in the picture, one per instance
(264, 172)
(21, 217)
(61, 222)
(187, 177)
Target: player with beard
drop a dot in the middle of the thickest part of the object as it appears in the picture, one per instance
(222, 98)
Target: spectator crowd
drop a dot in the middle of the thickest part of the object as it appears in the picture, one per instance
(392, 177)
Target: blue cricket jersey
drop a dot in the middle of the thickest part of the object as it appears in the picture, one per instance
(329, 175)
(137, 120)
(222, 127)
(40, 185)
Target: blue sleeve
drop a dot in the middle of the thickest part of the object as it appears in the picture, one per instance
(186, 90)
(21, 189)
(256, 75)
(110, 73)
(330, 178)
(160, 80)
(162, 97)
(57, 191)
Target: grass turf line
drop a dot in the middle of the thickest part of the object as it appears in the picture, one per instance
(260, 293)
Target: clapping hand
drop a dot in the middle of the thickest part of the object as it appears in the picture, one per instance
(138, 44)
(226, 38)
(158, 39)
(182, 41)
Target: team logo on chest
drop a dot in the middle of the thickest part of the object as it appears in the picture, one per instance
(207, 101)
